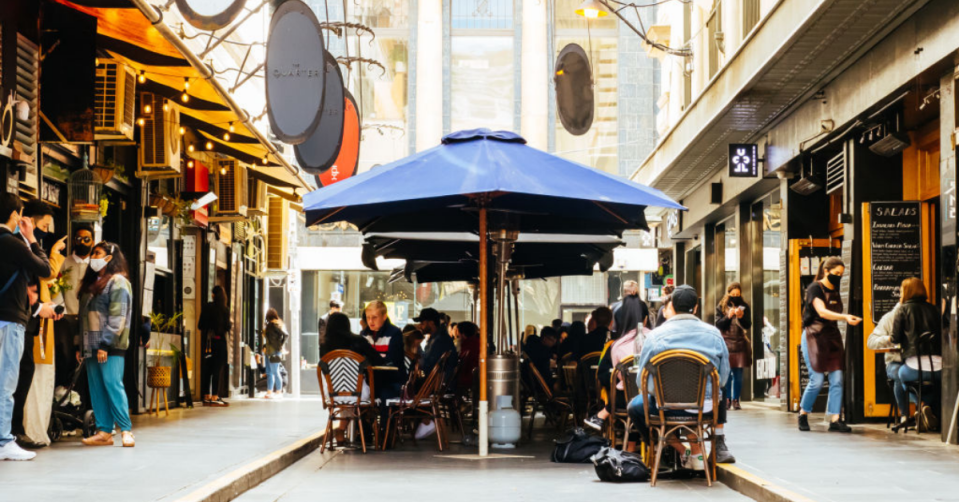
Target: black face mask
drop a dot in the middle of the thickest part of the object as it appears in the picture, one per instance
(40, 235)
(81, 249)
(834, 279)
(737, 301)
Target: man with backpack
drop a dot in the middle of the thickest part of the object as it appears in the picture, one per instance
(24, 261)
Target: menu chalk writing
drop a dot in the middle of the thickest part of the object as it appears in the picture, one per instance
(896, 246)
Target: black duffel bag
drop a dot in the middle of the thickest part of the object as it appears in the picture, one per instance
(577, 447)
(620, 466)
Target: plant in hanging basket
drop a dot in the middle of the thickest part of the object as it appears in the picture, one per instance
(159, 377)
(105, 171)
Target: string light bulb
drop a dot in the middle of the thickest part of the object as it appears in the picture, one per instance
(266, 161)
(190, 164)
(147, 109)
(142, 77)
(182, 130)
(226, 136)
(166, 106)
(186, 83)
(191, 148)
(232, 129)
(209, 145)
(141, 122)
(223, 171)
(184, 97)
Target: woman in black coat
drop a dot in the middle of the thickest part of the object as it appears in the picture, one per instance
(915, 317)
(733, 319)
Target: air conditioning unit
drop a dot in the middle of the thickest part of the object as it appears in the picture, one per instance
(808, 182)
(160, 143)
(231, 187)
(258, 198)
(115, 101)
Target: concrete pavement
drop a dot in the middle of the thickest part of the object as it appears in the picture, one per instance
(417, 473)
(186, 453)
(870, 464)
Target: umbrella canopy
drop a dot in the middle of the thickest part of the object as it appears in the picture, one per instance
(438, 257)
(523, 188)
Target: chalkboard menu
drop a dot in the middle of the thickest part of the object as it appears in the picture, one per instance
(895, 230)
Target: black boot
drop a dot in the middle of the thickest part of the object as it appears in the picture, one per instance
(722, 452)
(803, 422)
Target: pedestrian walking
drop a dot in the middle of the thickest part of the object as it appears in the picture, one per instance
(24, 261)
(733, 318)
(106, 314)
(632, 313)
(275, 338)
(214, 326)
(822, 344)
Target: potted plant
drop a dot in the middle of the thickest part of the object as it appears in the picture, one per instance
(159, 377)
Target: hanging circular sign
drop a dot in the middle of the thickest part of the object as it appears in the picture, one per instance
(574, 90)
(319, 151)
(295, 78)
(210, 14)
(349, 156)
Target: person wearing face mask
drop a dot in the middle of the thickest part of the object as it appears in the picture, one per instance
(822, 344)
(20, 267)
(67, 330)
(106, 314)
(734, 319)
(38, 353)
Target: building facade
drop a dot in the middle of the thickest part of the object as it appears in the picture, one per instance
(851, 107)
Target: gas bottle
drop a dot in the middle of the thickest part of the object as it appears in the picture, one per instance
(505, 425)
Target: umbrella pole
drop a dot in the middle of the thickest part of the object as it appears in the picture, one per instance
(483, 305)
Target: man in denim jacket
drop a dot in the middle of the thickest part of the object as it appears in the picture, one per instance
(683, 330)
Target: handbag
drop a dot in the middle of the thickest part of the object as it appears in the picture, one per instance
(577, 447)
(617, 466)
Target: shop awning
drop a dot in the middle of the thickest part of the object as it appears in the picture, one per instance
(126, 35)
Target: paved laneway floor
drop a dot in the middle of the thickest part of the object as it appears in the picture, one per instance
(174, 455)
(421, 473)
(871, 464)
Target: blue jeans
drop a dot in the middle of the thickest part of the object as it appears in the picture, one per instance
(907, 374)
(11, 349)
(274, 382)
(816, 379)
(734, 386)
(902, 400)
(107, 395)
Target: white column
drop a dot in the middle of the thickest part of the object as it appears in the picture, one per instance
(429, 74)
(534, 123)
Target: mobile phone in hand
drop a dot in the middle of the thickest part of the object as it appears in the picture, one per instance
(58, 310)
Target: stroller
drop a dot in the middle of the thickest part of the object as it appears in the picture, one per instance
(70, 414)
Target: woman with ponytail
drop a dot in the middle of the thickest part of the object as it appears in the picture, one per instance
(822, 344)
(106, 304)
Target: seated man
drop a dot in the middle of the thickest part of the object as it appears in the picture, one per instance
(540, 352)
(683, 330)
(596, 339)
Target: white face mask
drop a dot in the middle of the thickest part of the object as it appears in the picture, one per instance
(97, 264)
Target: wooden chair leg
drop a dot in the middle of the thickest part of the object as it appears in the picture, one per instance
(626, 428)
(386, 433)
(357, 419)
(532, 418)
(328, 435)
(658, 452)
(166, 404)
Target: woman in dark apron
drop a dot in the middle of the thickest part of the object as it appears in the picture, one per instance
(822, 344)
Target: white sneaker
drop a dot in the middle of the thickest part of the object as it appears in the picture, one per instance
(424, 431)
(694, 462)
(12, 451)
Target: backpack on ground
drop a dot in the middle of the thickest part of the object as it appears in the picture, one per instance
(577, 447)
(618, 466)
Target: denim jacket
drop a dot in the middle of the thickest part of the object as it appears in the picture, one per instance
(686, 331)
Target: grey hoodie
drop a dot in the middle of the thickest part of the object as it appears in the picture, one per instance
(881, 337)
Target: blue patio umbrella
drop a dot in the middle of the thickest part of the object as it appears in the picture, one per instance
(441, 190)
(478, 177)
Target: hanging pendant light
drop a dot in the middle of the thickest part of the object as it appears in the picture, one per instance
(592, 9)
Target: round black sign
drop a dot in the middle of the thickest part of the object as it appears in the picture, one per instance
(319, 151)
(210, 14)
(295, 78)
(574, 90)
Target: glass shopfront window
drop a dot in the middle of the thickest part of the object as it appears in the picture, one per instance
(731, 249)
(481, 80)
(773, 340)
(159, 233)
